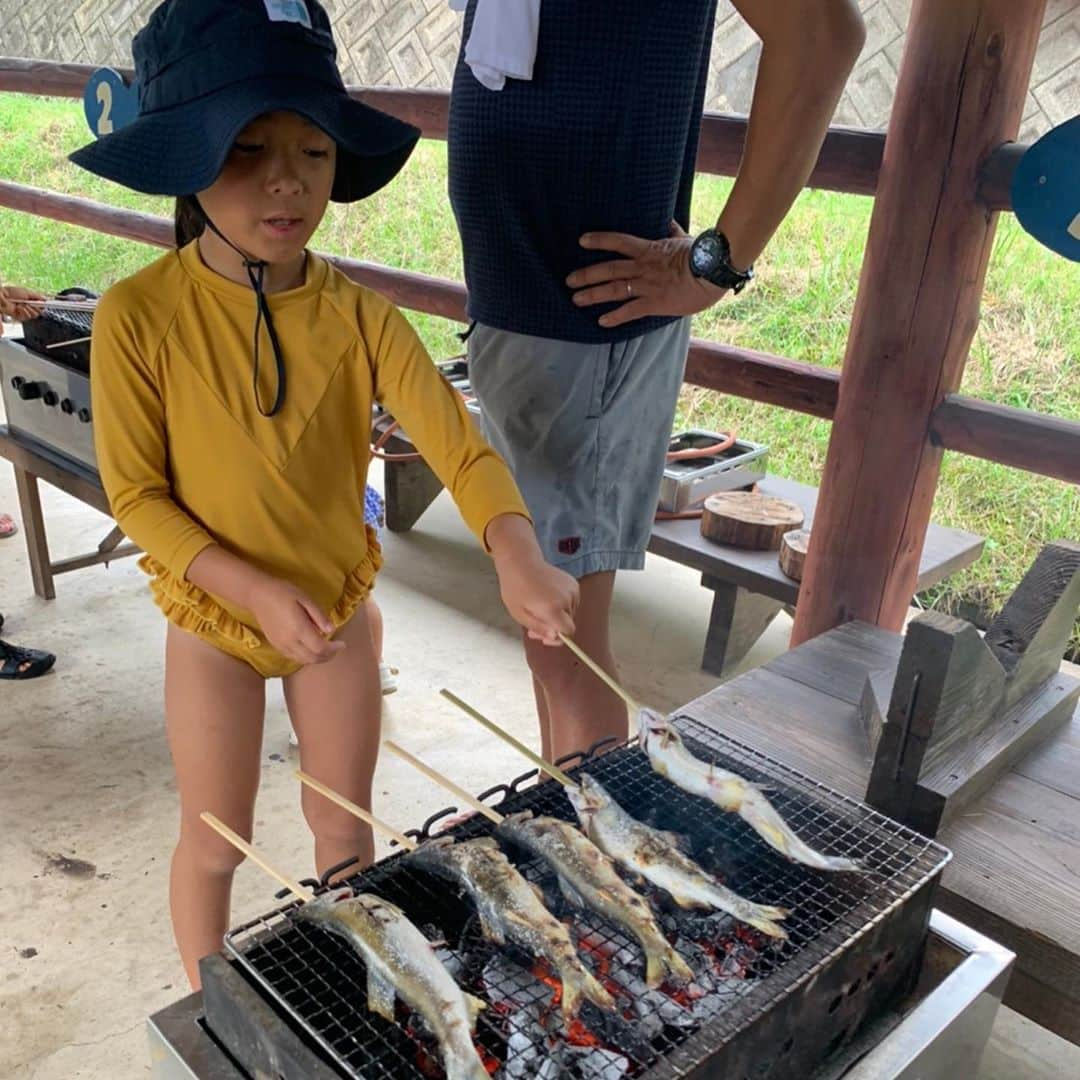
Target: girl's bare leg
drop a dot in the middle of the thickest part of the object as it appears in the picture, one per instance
(575, 708)
(335, 709)
(375, 620)
(214, 718)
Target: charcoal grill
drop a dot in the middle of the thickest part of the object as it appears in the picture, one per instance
(855, 941)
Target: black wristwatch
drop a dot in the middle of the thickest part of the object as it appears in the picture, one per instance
(710, 258)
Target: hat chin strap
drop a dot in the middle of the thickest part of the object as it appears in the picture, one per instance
(256, 271)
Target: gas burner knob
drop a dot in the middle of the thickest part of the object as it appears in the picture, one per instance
(84, 415)
(67, 406)
(27, 390)
(51, 398)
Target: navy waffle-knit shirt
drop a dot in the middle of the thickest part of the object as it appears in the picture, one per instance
(604, 137)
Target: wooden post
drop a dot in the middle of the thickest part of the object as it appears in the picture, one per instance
(37, 542)
(963, 80)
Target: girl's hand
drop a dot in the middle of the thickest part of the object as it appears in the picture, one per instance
(540, 597)
(293, 623)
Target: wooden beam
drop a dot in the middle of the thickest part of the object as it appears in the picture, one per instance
(75, 210)
(1043, 444)
(963, 81)
(19, 75)
(429, 110)
(850, 158)
(742, 372)
(774, 380)
(406, 288)
(996, 175)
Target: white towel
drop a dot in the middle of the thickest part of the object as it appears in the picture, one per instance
(502, 44)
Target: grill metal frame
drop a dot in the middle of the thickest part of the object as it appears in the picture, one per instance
(855, 939)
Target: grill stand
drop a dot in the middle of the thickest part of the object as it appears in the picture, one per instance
(939, 1032)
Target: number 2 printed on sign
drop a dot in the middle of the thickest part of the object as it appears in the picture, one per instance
(105, 98)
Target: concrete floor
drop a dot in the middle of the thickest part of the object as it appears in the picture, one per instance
(87, 810)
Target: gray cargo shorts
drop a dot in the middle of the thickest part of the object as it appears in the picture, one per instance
(585, 430)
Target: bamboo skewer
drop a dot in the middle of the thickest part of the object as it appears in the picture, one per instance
(600, 673)
(552, 770)
(241, 844)
(357, 811)
(492, 815)
(61, 344)
(59, 305)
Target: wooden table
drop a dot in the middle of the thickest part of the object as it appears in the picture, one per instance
(749, 588)
(1015, 875)
(33, 463)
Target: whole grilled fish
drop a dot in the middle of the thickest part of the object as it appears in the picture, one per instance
(655, 856)
(400, 961)
(670, 757)
(588, 878)
(510, 908)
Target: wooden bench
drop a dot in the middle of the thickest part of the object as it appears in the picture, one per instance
(33, 464)
(749, 588)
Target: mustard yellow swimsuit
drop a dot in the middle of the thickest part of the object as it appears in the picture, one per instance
(187, 460)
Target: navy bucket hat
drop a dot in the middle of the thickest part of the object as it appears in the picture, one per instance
(206, 68)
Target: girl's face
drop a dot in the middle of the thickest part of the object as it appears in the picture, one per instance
(272, 192)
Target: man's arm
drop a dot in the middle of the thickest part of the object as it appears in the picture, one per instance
(808, 51)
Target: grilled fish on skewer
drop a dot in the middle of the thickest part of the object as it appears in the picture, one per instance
(510, 908)
(670, 758)
(588, 877)
(654, 856)
(401, 962)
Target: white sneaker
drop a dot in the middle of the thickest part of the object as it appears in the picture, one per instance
(387, 683)
(387, 678)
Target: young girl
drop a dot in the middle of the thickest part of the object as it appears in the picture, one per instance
(232, 382)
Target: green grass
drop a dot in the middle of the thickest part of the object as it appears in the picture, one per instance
(1026, 352)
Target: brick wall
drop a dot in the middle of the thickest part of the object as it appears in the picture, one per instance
(415, 42)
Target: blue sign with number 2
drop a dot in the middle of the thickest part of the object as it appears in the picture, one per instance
(109, 102)
(1046, 190)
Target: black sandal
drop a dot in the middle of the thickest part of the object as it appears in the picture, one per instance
(19, 663)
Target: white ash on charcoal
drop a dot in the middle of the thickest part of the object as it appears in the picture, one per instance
(710, 926)
(452, 960)
(650, 1010)
(523, 1049)
(510, 985)
(537, 1039)
(591, 1063)
(717, 984)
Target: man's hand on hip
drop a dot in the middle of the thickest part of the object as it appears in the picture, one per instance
(653, 278)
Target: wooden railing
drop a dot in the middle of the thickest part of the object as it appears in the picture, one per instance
(850, 161)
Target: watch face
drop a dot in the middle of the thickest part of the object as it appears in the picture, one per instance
(705, 254)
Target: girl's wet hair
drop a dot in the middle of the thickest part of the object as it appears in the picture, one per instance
(188, 220)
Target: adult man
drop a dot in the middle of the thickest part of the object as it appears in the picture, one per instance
(572, 189)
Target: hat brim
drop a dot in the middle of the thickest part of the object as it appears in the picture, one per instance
(181, 151)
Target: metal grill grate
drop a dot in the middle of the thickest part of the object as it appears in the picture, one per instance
(56, 325)
(320, 981)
